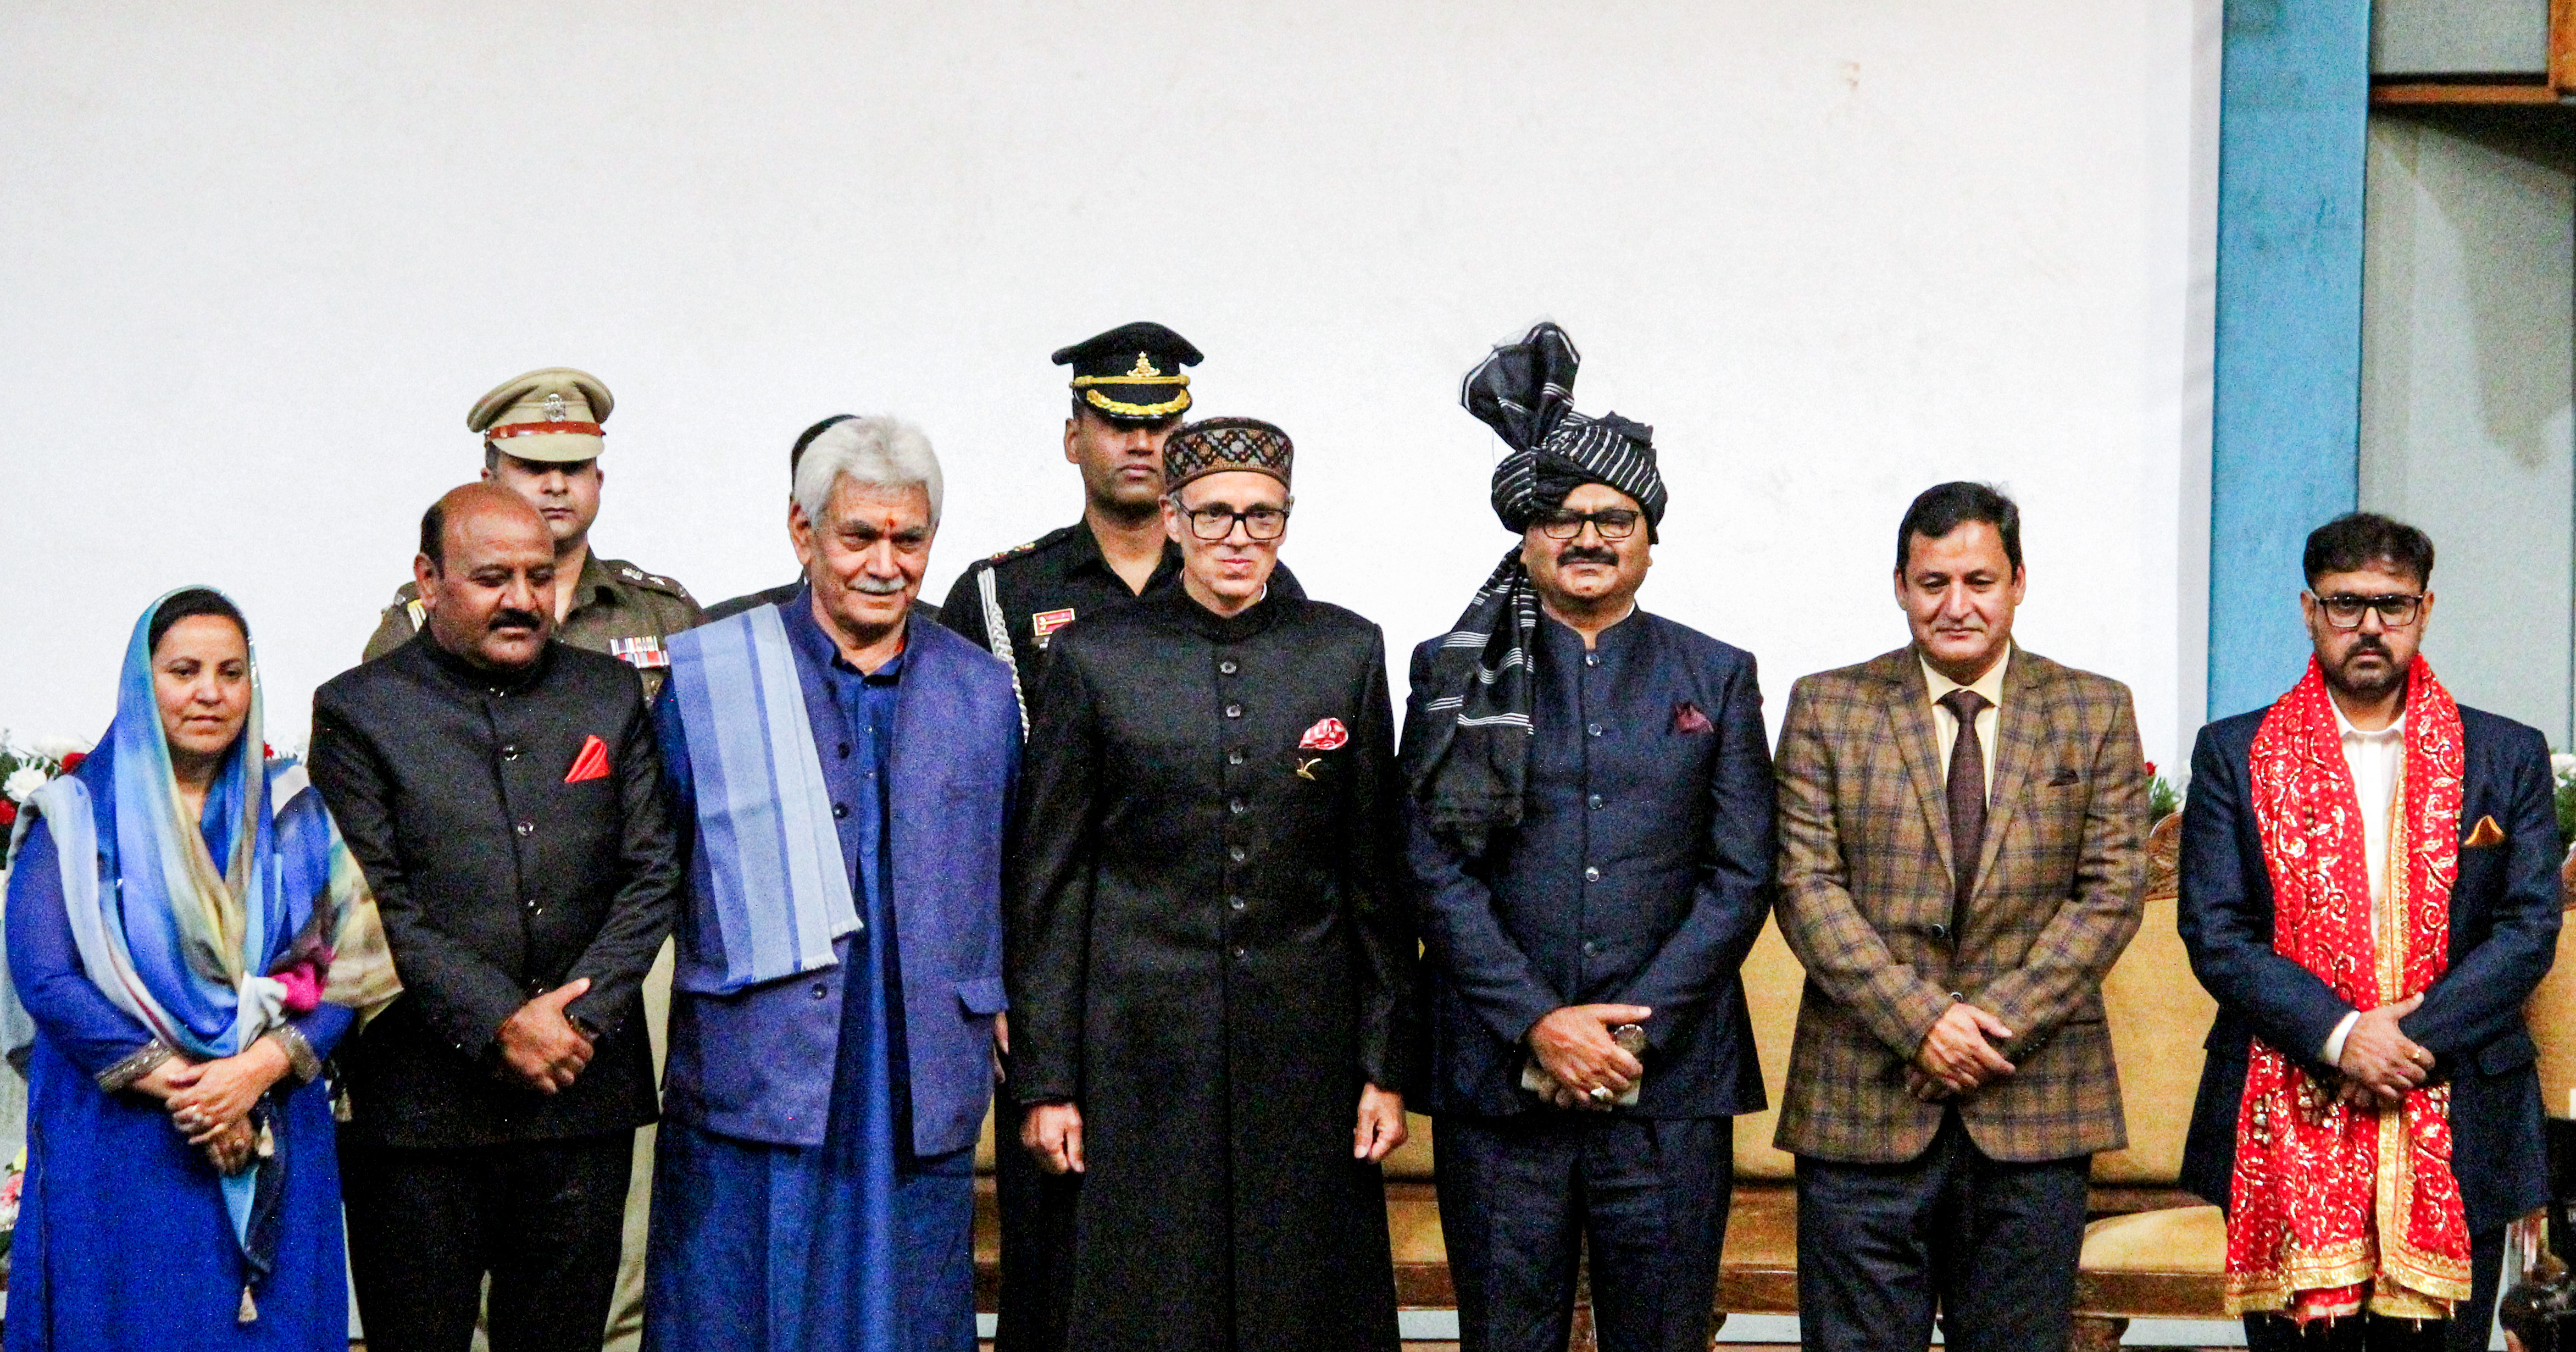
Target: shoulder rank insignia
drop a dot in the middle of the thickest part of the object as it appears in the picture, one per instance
(1046, 622)
(633, 573)
(419, 614)
(1012, 551)
(644, 653)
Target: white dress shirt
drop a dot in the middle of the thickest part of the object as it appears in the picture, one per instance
(2374, 759)
(1945, 725)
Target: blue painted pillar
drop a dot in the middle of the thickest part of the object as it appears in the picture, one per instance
(2294, 97)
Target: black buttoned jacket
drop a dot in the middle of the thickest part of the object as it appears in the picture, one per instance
(1640, 873)
(500, 875)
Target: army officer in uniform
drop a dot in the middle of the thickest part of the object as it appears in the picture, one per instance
(1207, 945)
(542, 436)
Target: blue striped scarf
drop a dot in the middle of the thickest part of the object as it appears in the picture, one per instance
(773, 876)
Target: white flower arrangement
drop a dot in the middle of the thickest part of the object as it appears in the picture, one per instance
(23, 782)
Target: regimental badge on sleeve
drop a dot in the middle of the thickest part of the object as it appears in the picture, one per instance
(1046, 622)
(644, 652)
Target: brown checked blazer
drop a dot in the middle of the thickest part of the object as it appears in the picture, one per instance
(1865, 901)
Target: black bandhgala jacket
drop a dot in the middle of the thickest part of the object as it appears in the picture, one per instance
(504, 867)
(1209, 952)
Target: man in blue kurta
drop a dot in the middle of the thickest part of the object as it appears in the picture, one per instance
(847, 773)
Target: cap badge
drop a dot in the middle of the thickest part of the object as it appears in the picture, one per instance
(555, 408)
(1144, 366)
(1328, 734)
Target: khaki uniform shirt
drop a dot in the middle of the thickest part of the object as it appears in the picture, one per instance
(619, 609)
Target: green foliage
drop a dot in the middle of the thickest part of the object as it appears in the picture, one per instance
(2164, 800)
(2563, 770)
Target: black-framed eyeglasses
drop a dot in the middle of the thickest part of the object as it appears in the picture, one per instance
(1216, 523)
(2396, 609)
(1617, 523)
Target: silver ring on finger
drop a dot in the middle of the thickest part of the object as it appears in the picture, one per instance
(1601, 1093)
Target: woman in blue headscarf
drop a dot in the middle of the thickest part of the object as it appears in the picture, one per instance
(188, 938)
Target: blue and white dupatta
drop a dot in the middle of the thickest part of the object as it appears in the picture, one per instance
(211, 960)
(772, 872)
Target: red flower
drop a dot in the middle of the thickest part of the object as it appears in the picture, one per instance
(2151, 769)
(72, 760)
(8, 813)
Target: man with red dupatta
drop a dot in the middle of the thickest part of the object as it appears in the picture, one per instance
(2370, 888)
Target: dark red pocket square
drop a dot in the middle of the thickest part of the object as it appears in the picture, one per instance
(592, 763)
(1688, 718)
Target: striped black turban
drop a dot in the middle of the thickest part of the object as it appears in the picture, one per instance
(1467, 765)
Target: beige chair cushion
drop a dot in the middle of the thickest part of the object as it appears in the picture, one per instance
(2191, 1239)
(2552, 1015)
(1772, 980)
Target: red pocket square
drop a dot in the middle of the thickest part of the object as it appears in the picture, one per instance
(592, 763)
(1688, 718)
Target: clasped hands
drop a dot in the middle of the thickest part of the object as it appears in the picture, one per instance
(1960, 1055)
(210, 1101)
(2380, 1064)
(540, 1047)
(1574, 1044)
(1053, 1131)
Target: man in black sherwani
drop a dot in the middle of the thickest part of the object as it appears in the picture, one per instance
(502, 792)
(1590, 829)
(1208, 954)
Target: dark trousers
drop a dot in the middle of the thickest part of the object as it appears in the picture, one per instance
(1518, 1195)
(1037, 1210)
(1992, 1245)
(544, 1218)
(2465, 1331)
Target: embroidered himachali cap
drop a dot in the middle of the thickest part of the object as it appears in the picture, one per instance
(1215, 445)
(553, 414)
(1132, 373)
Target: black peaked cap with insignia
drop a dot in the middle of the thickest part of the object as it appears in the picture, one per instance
(1132, 374)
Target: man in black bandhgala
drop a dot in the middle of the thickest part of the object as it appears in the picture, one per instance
(1208, 953)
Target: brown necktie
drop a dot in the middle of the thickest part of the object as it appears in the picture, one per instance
(1967, 803)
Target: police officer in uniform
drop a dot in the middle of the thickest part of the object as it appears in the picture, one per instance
(1128, 395)
(541, 439)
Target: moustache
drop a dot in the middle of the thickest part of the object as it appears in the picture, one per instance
(1575, 554)
(877, 586)
(515, 619)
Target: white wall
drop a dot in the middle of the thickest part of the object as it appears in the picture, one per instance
(2468, 373)
(257, 259)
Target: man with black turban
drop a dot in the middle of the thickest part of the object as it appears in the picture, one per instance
(1589, 820)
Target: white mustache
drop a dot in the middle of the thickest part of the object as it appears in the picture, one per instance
(877, 586)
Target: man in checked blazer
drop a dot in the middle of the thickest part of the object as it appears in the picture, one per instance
(1962, 829)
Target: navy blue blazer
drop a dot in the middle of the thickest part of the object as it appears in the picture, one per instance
(2504, 931)
(758, 1064)
(1640, 874)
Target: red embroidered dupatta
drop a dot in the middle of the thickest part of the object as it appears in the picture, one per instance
(2334, 1209)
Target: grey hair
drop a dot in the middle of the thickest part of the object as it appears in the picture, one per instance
(877, 452)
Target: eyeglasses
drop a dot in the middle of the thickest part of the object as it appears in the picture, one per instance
(2344, 610)
(1216, 523)
(1618, 523)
